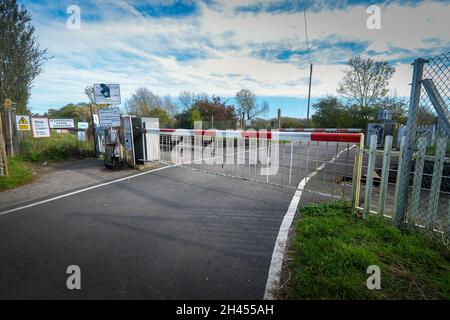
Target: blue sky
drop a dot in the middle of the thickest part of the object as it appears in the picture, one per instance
(218, 46)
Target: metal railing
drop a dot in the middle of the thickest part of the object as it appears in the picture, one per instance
(319, 163)
(429, 197)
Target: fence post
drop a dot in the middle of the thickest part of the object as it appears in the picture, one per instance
(418, 173)
(399, 171)
(3, 155)
(402, 194)
(448, 218)
(369, 177)
(357, 172)
(438, 167)
(385, 174)
(12, 144)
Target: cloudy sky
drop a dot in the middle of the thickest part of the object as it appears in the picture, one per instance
(220, 46)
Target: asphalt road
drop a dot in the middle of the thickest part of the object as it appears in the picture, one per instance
(171, 234)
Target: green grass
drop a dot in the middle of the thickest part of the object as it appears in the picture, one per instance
(59, 147)
(431, 150)
(18, 175)
(333, 247)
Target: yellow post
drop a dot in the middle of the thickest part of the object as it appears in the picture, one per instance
(8, 103)
(358, 172)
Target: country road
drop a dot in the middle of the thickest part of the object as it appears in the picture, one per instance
(171, 234)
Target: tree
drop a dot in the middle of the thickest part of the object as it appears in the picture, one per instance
(164, 118)
(246, 103)
(330, 113)
(143, 101)
(205, 109)
(78, 112)
(187, 118)
(289, 122)
(89, 92)
(367, 81)
(21, 58)
(169, 106)
(397, 105)
(215, 108)
(187, 99)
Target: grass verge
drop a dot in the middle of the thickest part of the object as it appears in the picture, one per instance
(19, 175)
(332, 249)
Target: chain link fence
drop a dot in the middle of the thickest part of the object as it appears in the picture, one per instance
(423, 188)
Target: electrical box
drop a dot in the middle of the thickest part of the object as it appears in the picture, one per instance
(146, 142)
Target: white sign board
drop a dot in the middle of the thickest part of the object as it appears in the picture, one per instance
(62, 123)
(95, 118)
(109, 117)
(128, 133)
(81, 136)
(41, 127)
(377, 129)
(385, 115)
(107, 93)
(23, 123)
(83, 125)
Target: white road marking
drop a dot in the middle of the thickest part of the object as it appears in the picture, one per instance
(80, 191)
(273, 278)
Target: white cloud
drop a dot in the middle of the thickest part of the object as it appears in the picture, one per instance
(136, 50)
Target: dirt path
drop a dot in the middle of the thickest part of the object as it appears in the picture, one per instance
(55, 178)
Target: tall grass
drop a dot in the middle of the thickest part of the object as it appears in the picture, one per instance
(18, 175)
(57, 148)
(333, 248)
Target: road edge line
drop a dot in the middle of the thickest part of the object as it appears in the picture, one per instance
(80, 191)
(273, 278)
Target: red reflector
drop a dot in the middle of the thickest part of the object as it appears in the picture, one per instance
(336, 137)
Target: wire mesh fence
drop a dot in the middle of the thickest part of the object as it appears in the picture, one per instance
(424, 182)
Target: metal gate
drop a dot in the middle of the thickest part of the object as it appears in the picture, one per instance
(323, 163)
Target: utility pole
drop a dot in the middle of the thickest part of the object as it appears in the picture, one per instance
(93, 127)
(279, 119)
(309, 94)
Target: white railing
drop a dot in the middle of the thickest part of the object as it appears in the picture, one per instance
(428, 200)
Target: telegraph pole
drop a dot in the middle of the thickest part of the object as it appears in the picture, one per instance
(279, 119)
(309, 94)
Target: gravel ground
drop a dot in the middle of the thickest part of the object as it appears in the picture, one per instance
(56, 178)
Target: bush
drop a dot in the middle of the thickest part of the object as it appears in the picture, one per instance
(57, 148)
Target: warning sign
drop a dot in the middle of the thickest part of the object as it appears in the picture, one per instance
(41, 127)
(23, 123)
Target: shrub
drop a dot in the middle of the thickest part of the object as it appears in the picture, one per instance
(57, 148)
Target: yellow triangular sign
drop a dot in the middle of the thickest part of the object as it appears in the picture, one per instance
(23, 121)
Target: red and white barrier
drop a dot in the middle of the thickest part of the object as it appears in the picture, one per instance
(262, 134)
(327, 130)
